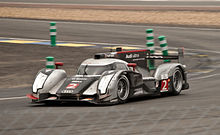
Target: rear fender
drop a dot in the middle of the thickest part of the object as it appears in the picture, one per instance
(164, 71)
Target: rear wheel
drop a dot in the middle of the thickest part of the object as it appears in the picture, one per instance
(123, 88)
(177, 81)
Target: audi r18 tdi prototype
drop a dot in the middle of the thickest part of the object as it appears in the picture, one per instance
(111, 78)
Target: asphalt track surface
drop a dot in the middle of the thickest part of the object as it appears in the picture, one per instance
(128, 2)
(196, 111)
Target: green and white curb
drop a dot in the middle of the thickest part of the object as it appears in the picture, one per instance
(50, 62)
(163, 46)
(53, 33)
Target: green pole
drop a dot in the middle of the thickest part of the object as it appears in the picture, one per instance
(50, 62)
(150, 35)
(53, 33)
(150, 46)
(164, 46)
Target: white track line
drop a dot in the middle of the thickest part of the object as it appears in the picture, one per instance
(10, 98)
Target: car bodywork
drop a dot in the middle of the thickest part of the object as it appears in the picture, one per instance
(110, 78)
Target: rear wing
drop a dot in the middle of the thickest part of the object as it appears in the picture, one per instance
(178, 57)
(140, 57)
(134, 56)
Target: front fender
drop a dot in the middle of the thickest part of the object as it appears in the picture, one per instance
(107, 86)
(54, 77)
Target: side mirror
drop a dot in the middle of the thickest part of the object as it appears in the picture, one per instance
(133, 65)
(58, 64)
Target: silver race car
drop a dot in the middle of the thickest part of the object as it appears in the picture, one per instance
(111, 78)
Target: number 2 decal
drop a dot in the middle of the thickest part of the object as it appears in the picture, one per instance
(164, 86)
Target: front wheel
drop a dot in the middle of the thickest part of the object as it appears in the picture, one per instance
(177, 81)
(123, 88)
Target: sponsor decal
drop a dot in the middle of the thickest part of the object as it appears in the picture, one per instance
(72, 86)
(67, 91)
(154, 57)
(128, 56)
(111, 55)
(79, 79)
(164, 86)
(139, 59)
(76, 81)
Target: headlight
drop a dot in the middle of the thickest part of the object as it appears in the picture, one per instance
(39, 82)
(103, 84)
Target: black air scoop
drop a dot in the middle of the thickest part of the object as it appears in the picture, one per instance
(76, 85)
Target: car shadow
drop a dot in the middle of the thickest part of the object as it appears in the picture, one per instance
(87, 104)
(150, 98)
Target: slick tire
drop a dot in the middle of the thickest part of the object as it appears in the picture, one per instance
(123, 89)
(177, 81)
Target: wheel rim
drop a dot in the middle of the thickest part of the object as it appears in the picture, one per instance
(122, 89)
(177, 80)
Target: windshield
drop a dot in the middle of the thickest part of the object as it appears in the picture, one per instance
(93, 69)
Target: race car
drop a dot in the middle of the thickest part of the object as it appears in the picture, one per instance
(111, 78)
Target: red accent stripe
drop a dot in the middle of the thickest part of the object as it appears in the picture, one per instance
(31, 96)
(132, 51)
(132, 64)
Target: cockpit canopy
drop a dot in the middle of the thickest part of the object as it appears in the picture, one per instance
(97, 67)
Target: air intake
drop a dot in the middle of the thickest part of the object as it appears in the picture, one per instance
(99, 56)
